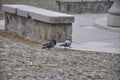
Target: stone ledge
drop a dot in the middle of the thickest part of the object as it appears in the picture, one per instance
(10, 8)
(38, 13)
(102, 23)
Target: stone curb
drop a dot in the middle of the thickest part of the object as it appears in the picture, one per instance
(102, 24)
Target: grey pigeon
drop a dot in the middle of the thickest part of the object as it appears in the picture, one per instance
(67, 42)
(49, 44)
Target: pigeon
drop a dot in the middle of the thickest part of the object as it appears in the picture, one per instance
(49, 44)
(67, 42)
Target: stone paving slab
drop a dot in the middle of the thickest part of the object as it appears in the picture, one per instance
(88, 37)
(93, 46)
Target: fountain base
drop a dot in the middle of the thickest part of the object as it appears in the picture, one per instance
(102, 23)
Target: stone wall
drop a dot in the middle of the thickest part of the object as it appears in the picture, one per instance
(51, 4)
(36, 24)
(35, 30)
(78, 6)
(48, 4)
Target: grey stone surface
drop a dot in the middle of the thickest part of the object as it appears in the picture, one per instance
(10, 8)
(22, 12)
(114, 17)
(40, 14)
(87, 37)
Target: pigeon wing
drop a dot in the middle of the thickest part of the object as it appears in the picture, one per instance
(68, 43)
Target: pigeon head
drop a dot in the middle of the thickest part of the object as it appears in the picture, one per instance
(70, 38)
(54, 41)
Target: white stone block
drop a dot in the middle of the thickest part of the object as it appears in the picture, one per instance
(49, 16)
(24, 10)
(39, 17)
(21, 11)
(10, 8)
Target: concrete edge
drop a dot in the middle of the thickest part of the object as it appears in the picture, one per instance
(76, 46)
(102, 24)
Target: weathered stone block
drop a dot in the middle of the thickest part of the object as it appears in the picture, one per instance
(22, 12)
(10, 8)
(36, 24)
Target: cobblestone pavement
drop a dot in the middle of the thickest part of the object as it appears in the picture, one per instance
(22, 60)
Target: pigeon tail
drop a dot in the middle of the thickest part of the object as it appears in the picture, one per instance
(44, 47)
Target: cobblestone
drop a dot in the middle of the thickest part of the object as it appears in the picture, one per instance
(22, 60)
